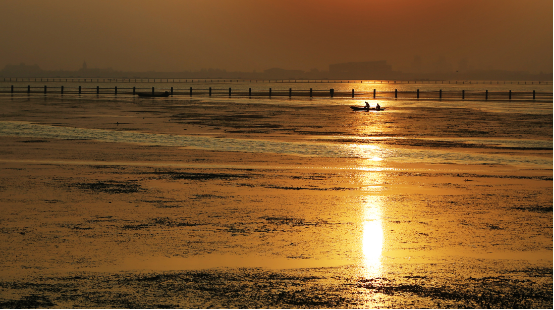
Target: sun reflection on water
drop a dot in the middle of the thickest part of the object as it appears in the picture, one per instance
(370, 151)
(373, 237)
(371, 216)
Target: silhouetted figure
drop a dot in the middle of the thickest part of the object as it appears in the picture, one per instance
(378, 107)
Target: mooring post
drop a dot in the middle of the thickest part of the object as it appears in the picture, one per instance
(45, 89)
(310, 93)
(80, 90)
(210, 91)
(463, 94)
(418, 93)
(440, 94)
(290, 92)
(352, 92)
(61, 90)
(152, 90)
(396, 94)
(533, 95)
(134, 90)
(332, 91)
(374, 93)
(12, 89)
(97, 90)
(190, 91)
(510, 95)
(229, 91)
(29, 90)
(486, 95)
(270, 92)
(249, 92)
(171, 90)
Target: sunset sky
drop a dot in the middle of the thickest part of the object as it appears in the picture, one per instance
(247, 35)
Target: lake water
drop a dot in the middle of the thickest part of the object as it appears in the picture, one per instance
(409, 131)
(115, 201)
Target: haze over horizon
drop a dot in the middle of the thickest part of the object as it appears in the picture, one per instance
(248, 35)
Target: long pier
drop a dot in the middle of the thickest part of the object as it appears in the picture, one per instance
(237, 88)
(438, 94)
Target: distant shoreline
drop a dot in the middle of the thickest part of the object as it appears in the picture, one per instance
(34, 71)
(105, 79)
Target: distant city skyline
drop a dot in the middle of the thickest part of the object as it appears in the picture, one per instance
(418, 65)
(368, 70)
(251, 35)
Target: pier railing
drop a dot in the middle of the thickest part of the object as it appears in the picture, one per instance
(438, 94)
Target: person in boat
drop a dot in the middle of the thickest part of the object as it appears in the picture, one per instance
(378, 107)
(367, 105)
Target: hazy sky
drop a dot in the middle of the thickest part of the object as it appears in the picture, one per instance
(247, 35)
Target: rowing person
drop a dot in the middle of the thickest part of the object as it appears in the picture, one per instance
(367, 105)
(378, 107)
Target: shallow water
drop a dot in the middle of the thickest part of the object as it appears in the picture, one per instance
(322, 149)
(449, 131)
(254, 203)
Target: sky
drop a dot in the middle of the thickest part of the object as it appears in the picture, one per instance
(255, 35)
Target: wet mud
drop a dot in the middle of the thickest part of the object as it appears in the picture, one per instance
(89, 224)
(72, 253)
(256, 288)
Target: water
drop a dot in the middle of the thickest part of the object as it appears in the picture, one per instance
(409, 131)
(297, 203)
(373, 152)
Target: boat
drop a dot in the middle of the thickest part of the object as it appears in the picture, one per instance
(355, 108)
(152, 94)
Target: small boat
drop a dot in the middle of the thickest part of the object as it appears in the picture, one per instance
(355, 108)
(151, 94)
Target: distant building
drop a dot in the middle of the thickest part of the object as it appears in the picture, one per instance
(22, 70)
(278, 73)
(87, 72)
(361, 70)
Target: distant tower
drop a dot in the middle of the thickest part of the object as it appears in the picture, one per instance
(84, 65)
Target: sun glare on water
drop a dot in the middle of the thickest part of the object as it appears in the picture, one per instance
(368, 151)
(372, 237)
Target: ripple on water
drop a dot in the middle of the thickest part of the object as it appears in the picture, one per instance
(316, 149)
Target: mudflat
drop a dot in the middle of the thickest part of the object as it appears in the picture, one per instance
(90, 223)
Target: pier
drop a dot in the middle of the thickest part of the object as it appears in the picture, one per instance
(438, 94)
(359, 89)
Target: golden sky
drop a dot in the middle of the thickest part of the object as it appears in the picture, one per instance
(247, 35)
